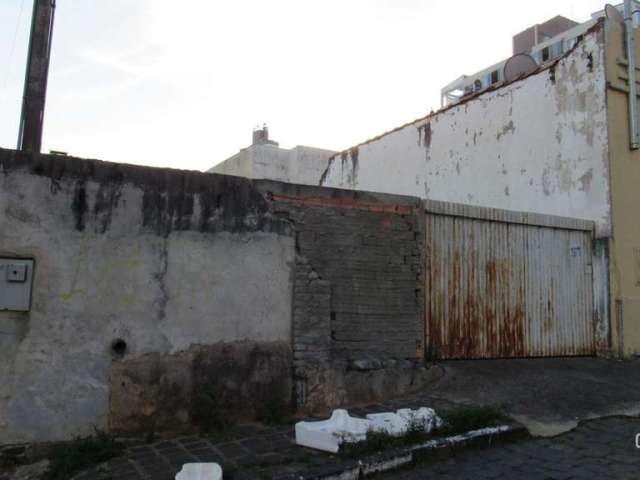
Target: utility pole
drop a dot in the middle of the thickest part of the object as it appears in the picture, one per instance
(35, 82)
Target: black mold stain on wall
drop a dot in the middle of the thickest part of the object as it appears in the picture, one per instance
(79, 205)
(165, 212)
(106, 202)
(424, 135)
(172, 200)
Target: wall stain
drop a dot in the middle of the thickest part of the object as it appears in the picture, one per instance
(169, 196)
(507, 128)
(349, 160)
(546, 181)
(79, 205)
(585, 181)
(161, 301)
(424, 138)
(106, 202)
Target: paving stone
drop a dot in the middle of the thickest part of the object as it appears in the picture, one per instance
(231, 450)
(602, 449)
(256, 446)
(206, 455)
(578, 455)
(195, 444)
(270, 459)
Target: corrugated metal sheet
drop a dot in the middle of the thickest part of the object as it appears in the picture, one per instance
(498, 290)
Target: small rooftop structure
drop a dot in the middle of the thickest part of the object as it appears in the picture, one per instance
(261, 136)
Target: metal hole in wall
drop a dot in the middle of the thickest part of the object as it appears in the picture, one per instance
(119, 347)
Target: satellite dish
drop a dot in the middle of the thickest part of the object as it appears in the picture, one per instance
(613, 13)
(518, 66)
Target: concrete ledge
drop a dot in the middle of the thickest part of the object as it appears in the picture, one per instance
(436, 449)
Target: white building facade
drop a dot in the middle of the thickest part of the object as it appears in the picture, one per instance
(264, 159)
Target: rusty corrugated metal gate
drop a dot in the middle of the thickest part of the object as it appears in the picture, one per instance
(501, 284)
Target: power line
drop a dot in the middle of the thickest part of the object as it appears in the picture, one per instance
(13, 46)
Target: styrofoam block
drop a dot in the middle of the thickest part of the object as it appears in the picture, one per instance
(200, 471)
(327, 435)
(388, 422)
(426, 416)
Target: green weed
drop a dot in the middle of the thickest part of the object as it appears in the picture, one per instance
(210, 411)
(455, 421)
(82, 453)
(466, 418)
(275, 411)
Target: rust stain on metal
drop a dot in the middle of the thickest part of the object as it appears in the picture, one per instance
(498, 290)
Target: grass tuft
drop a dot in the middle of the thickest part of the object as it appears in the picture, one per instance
(210, 410)
(455, 421)
(381, 441)
(275, 411)
(466, 418)
(80, 454)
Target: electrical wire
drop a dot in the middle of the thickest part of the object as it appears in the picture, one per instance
(13, 46)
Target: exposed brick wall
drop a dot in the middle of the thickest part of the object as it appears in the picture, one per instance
(311, 315)
(358, 288)
(372, 263)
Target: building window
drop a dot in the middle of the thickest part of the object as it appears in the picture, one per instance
(546, 54)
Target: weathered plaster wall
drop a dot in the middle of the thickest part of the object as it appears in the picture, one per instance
(625, 198)
(302, 165)
(160, 393)
(535, 145)
(165, 260)
(212, 282)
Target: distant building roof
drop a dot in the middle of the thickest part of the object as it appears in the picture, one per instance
(524, 41)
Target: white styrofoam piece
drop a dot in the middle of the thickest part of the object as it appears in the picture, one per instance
(424, 415)
(388, 422)
(327, 435)
(200, 471)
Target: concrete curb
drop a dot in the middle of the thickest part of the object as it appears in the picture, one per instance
(431, 450)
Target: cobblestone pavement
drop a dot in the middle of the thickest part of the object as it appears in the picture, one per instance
(598, 449)
(248, 451)
(246, 448)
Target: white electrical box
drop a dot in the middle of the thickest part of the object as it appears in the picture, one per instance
(16, 278)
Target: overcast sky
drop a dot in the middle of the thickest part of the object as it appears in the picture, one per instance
(183, 83)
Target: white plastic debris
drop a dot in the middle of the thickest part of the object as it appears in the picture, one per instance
(200, 471)
(425, 416)
(388, 422)
(327, 435)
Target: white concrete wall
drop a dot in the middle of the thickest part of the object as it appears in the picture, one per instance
(270, 162)
(117, 278)
(536, 145)
(301, 165)
(239, 165)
